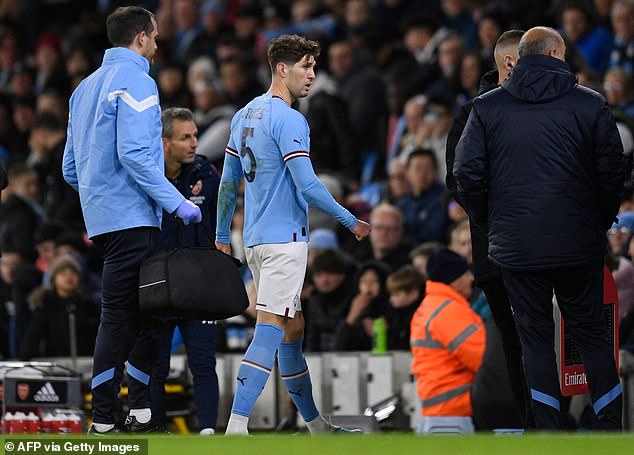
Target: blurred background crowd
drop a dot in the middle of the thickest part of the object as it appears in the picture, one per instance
(390, 78)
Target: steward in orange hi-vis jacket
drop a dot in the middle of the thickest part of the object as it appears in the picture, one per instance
(448, 343)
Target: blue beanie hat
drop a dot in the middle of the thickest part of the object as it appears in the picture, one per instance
(445, 266)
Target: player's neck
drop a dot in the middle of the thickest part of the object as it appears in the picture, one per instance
(281, 91)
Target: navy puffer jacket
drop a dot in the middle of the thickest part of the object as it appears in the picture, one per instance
(540, 167)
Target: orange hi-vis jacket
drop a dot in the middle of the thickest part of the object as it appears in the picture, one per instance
(447, 342)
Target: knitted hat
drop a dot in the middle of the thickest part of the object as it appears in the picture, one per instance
(65, 262)
(329, 261)
(445, 266)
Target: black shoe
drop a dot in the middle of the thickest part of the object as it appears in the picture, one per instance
(114, 431)
(132, 425)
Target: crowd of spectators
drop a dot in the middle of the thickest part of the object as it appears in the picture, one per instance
(390, 78)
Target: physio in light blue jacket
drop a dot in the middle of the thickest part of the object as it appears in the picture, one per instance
(114, 158)
(114, 153)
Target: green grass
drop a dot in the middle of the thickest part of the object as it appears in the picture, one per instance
(389, 444)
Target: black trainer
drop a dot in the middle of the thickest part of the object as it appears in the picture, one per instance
(132, 425)
(111, 432)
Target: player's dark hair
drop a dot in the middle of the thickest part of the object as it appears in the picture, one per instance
(127, 22)
(290, 49)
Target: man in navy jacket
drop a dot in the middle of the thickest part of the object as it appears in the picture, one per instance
(197, 179)
(540, 167)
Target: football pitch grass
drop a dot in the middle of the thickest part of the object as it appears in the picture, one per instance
(384, 444)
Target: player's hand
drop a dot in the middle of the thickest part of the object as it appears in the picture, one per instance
(226, 249)
(361, 230)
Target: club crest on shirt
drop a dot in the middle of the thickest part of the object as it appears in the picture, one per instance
(197, 188)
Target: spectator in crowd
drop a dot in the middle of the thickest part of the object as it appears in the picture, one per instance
(490, 26)
(49, 66)
(333, 278)
(212, 115)
(171, 85)
(197, 180)
(239, 81)
(448, 343)
(354, 333)
(10, 262)
(420, 255)
(586, 149)
(458, 17)
(397, 184)
(425, 213)
(592, 41)
(387, 243)
(620, 234)
(460, 240)
(622, 53)
(617, 85)
(44, 237)
(20, 214)
(406, 287)
(114, 113)
(55, 310)
(471, 70)
(362, 88)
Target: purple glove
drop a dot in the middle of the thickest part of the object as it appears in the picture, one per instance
(189, 212)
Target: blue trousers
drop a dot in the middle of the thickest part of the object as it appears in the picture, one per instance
(200, 339)
(123, 333)
(579, 292)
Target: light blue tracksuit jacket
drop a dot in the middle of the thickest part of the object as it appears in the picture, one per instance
(114, 152)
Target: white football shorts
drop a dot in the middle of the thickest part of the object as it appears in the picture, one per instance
(278, 273)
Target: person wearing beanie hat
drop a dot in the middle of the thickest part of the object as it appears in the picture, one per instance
(448, 343)
(333, 280)
(48, 333)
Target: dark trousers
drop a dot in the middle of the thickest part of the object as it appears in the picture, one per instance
(200, 339)
(498, 300)
(123, 333)
(579, 292)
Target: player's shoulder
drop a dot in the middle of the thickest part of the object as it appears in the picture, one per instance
(283, 113)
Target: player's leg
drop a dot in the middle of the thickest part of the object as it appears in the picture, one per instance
(270, 268)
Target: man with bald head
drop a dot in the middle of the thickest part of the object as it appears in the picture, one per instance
(540, 168)
(487, 275)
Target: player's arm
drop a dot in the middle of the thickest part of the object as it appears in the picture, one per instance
(227, 194)
(292, 135)
(137, 114)
(69, 170)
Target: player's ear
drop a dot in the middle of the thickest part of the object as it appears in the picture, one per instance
(282, 69)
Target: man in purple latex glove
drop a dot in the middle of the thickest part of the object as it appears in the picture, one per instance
(114, 158)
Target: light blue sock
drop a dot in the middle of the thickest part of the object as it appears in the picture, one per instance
(256, 367)
(294, 371)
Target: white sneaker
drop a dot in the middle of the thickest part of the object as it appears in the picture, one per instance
(207, 432)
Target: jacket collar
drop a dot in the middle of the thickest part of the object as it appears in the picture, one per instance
(122, 53)
(435, 288)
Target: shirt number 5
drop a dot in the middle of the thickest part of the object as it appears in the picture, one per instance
(246, 152)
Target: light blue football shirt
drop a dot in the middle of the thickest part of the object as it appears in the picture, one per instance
(269, 146)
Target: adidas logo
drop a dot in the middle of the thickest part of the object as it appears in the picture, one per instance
(46, 393)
